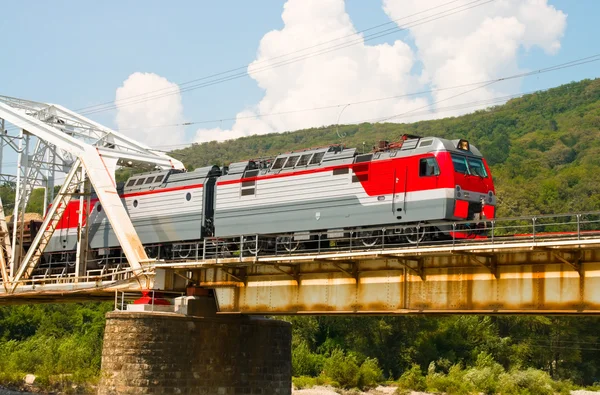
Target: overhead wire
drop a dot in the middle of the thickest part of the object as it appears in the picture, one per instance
(270, 59)
(479, 85)
(427, 19)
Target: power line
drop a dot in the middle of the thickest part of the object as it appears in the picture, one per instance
(430, 18)
(481, 84)
(270, 59)
(337, 47)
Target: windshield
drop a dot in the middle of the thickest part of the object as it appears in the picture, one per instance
(468, 165)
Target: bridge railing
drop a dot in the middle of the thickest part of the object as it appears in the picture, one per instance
(498, 231)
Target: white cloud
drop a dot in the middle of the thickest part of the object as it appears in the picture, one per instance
(138, 118)
(351, 74)
(478, 44)
(481, 43)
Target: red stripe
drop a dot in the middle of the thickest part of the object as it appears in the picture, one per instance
(179, 188)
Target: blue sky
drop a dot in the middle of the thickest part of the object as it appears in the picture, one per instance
(78, 53)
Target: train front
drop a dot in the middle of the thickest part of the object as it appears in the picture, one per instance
(474, 195)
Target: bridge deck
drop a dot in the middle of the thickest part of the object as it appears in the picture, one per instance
(548, 273)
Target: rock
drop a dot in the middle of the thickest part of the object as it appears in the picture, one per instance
(30, 379)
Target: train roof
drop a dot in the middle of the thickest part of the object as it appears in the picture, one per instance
(338, 154)
(331, 155)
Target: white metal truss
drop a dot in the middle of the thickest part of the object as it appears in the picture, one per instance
(67, 142)
(5, 248)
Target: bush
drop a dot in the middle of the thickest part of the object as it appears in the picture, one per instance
(369, 374)
(452, 383)
(530, 381)
(342, 369)
(305, 362)
(412, 379)
(303, 382)
(484, 376)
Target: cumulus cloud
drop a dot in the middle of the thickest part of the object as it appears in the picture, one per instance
(138, 118)
(482, 43)
(479, 44)
(352, 74)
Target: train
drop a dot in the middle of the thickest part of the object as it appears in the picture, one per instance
(331, 190)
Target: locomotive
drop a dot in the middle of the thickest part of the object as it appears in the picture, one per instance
(333, 190)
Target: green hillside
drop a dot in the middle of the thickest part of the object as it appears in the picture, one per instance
(544, 148)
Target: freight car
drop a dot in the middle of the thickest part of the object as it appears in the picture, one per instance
(333, 189)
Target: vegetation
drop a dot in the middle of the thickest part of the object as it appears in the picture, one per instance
(60, 344)
(544, 152)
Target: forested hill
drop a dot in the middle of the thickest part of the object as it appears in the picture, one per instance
(544, 148)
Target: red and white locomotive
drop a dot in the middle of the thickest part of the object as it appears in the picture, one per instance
(334, 190)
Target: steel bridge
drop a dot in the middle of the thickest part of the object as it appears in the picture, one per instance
(530, 265)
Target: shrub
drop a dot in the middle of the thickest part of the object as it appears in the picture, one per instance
(342, 369)
(452, 383)
(530, 381)
(304, 382)
(305, 362)
(369, 374)
(412, 379)
(484, 376)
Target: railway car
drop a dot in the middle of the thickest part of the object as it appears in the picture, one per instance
(331, 189)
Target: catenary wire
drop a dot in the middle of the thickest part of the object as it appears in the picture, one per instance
(270, 59)
(286, 62)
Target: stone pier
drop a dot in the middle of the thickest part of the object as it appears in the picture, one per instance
(166, 353)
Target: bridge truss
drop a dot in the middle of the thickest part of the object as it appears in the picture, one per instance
(51, 144)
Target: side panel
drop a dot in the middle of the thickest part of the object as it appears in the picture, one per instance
(157, 217)
(363, 195)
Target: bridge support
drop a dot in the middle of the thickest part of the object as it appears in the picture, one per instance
(174, 354)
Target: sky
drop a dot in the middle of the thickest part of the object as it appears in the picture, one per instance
(274, 66)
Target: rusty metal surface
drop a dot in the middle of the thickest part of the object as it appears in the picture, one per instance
(529, 282)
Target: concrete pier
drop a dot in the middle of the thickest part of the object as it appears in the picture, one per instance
(165, 353)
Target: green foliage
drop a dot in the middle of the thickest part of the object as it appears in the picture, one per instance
(60, 344)
(369, 374)
(345, 371)
(305, 362)
(341, 368)
(452, 383)
(302, 382)
(412, 379)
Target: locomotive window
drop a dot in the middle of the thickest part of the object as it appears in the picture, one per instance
(460, 164)
(188, 196)
(291, 162)
(149, 180)
(304, 159)
(139, 182)
(247, 191)
(130, 183)
(159, 178)
(316, 159)
(135, 203)
(278, 163)
(99, 209)
(476, 167)
(428, 167)
(251, 173)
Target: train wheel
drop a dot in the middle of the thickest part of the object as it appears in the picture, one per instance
(288, 243)
(252, 246)
(183, 251)
(415, 234)
(152, 251)
(369, 238)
